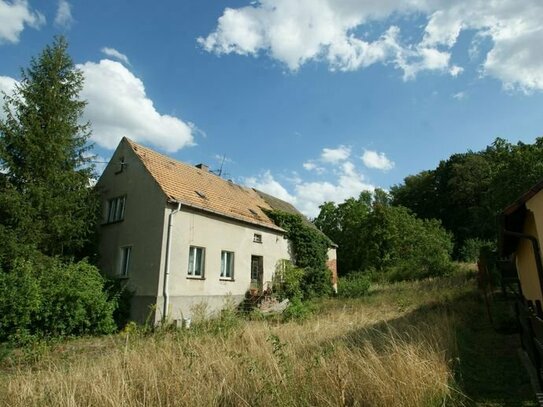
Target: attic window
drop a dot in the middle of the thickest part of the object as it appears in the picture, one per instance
(201, 194)
(257, 238)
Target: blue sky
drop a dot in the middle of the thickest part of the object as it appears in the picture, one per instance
(310, 100)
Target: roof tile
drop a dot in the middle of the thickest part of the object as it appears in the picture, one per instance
(204, 190)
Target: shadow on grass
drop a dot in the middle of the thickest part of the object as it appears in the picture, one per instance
(487, 366)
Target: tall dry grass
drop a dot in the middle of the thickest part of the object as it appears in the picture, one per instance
(389, 350)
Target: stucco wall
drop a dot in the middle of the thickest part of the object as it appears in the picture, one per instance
(332, 265)
(141, 228)
(526, 265)
(215, 234)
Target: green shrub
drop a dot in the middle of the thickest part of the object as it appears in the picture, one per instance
(287, 280)
(469, 252)
(297, 310)
(310, 252)
(48, 298)
(354, 285)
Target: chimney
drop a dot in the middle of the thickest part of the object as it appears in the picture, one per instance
(202, 167)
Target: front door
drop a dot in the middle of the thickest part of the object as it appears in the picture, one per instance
(257, 272)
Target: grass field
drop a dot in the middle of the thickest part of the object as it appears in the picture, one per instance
(424, 343)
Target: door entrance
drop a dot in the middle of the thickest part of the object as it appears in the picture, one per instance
(257, 272)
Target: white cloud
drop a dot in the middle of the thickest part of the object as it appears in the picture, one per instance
(460, 95)
(295, 32)
(335, 155)
(313, 166)
(379, 161)
(308, 196)
(7, 85)
(113, 53)
(64, 18)
(118, 106)
(13, 18)
(267, 183)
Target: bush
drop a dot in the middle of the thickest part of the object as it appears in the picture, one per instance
(51, 299)
(287, 280)
(469, 252)
(354, 285)
(297, 310)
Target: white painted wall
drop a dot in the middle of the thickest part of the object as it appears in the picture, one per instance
(142, 228)
(215, 233)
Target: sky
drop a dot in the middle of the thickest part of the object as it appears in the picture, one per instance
(309, 100)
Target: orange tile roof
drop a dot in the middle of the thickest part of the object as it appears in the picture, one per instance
(204, 190)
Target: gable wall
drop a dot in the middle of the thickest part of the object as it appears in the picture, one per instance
(215, 234)
(526, 265)
(142, 228)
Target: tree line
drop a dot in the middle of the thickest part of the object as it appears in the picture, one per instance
(437, 215)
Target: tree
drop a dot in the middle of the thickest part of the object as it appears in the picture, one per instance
(374, 235)
(45, 200)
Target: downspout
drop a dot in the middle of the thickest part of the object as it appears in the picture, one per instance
(537, 254)
(167, 265)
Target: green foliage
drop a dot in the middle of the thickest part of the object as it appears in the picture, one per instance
(287, 280)
(344, 224)
(297, 310)
(45, 199)
(354, 285)
(373, 235)
(470, 250)
(121, 296)
(46, 298)
(310, 248)
(467, 191)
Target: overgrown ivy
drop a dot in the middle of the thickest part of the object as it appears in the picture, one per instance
(309, 252)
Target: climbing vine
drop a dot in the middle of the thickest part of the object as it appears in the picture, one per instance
(309, 250)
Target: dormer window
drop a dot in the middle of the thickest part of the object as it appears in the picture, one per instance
(115, 209)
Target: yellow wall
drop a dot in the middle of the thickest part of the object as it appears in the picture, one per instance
(526, 264)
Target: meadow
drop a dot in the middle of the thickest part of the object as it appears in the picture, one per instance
(426, 343)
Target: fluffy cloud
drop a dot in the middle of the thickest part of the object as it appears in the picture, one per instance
(307, 196)
(335, 155)
(297, 31)
(13, 18)
(7, 85)
(64, 17)
(379, 161)
(113, 53)
(118, 106)
(267, 183)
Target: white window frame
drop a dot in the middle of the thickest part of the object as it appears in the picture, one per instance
(257, 238)
(124, 261)
(227, 265)
(193, 258)
(115, 209)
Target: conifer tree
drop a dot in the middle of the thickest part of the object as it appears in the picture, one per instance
(46, 203)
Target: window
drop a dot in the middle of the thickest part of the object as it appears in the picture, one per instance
(196, 262)
(227, 265)
(125, 260)
(257, 238)
(115, 211)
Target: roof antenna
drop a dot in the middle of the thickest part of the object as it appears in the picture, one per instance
(219, 171)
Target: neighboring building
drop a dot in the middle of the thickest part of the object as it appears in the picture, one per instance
(521, 234)
(181, 236)
(520, 239)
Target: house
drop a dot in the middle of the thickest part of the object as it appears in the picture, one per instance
(180, 236)
(521, 233)
(520, 239)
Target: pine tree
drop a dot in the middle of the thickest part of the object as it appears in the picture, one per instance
(45, 200)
